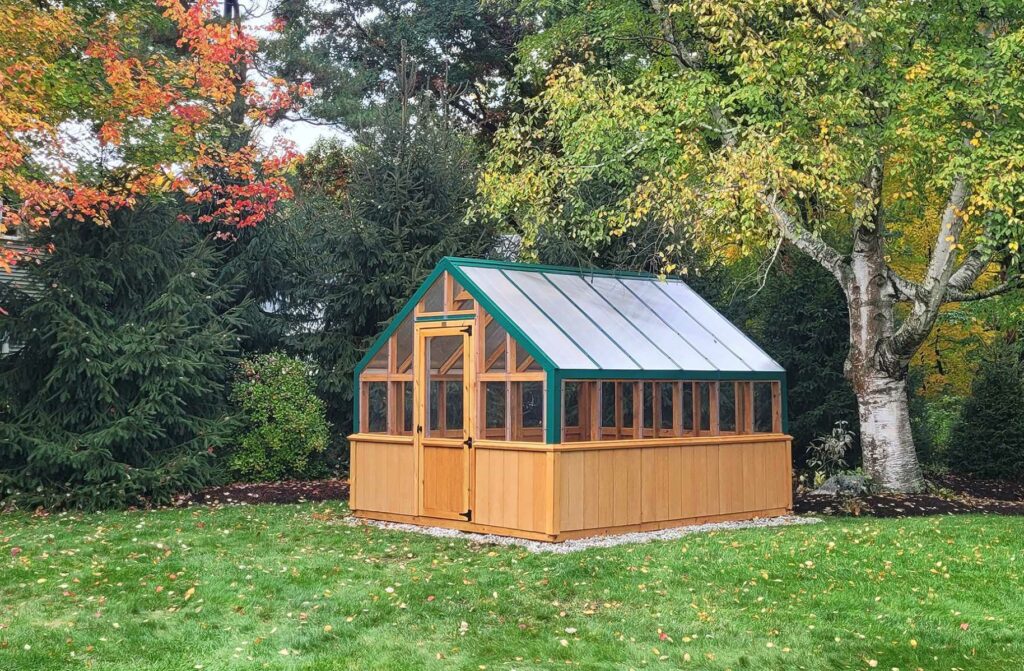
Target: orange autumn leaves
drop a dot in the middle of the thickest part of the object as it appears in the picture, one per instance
(159, 119)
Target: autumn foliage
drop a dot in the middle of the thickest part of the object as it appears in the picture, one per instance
(93, 116)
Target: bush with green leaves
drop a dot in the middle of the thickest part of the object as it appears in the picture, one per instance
(283, 422)
(988, 438)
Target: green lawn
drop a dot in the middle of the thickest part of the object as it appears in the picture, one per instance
(291, 587)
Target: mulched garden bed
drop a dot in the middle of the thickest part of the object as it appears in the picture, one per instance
(286, 491)
(953, 495)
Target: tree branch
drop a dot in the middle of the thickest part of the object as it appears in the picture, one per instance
(931, 293)
(804, 240)
(970, 270)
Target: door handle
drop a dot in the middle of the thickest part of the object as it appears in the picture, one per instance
(419, 428)
(468, 442)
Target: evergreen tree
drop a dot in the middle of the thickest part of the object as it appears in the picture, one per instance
(988, 439)
(118, 395)
(374, 220)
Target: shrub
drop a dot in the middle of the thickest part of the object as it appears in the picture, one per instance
(826, 455)
(988, 438)
(282, 421)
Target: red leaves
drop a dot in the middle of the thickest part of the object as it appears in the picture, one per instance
(191, 93)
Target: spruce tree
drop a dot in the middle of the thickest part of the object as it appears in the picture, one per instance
(117, 396)
(374, 220)
(988, 439)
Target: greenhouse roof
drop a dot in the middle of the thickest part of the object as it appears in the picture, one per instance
(607, 323)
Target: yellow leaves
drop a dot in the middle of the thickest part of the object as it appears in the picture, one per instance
(189, 593)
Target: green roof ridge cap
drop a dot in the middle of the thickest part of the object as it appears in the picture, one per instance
(546, 268)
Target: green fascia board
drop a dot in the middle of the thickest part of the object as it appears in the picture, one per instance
(698, 375)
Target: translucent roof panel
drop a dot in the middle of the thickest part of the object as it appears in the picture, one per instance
(605, 321)
(534, 323)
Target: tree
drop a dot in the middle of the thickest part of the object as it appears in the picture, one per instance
(462, 51)
(831, 127)
(103, 107)
(988, 438)
(118, 394)
(374, 220)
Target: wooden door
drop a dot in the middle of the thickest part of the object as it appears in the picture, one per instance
(443, 418)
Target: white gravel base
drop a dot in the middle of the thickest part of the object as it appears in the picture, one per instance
(593, 542)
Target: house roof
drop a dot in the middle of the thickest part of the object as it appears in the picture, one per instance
(596, 323)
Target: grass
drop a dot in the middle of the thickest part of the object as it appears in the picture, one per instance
(292, 587)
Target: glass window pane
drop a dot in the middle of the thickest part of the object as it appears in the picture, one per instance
(528, 421)
(433, 299)
(704, 399)
(627, 404)
(667, 405)
(461, 300)
(727, 407)
(533, 403)
(433, 407)
(407, 407)
(571, 404)
(494, 347)
(607, 405)
(763, 407)
(453, 406)
(379, 362)
(377, 407)
(494, 409)
(648, 405)
(687, 407)
(526, 362)
(403, 344)
(445, 358)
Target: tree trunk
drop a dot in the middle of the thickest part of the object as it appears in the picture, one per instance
(878, 377)
(890, 458)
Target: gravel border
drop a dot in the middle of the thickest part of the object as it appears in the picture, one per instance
(566, 547)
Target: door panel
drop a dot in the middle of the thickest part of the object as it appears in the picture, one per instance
(441, 409)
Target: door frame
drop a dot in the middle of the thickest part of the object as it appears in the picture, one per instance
(422, 331)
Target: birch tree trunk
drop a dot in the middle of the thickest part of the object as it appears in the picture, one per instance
(879, 379)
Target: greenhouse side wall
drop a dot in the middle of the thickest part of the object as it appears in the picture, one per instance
(611, 487)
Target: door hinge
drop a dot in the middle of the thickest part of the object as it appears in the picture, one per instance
(468, 515)
(468, 442)
(468, 330)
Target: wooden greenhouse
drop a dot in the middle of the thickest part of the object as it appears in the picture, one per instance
(554, 403)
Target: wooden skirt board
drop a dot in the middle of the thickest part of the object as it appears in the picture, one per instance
(556, 492)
